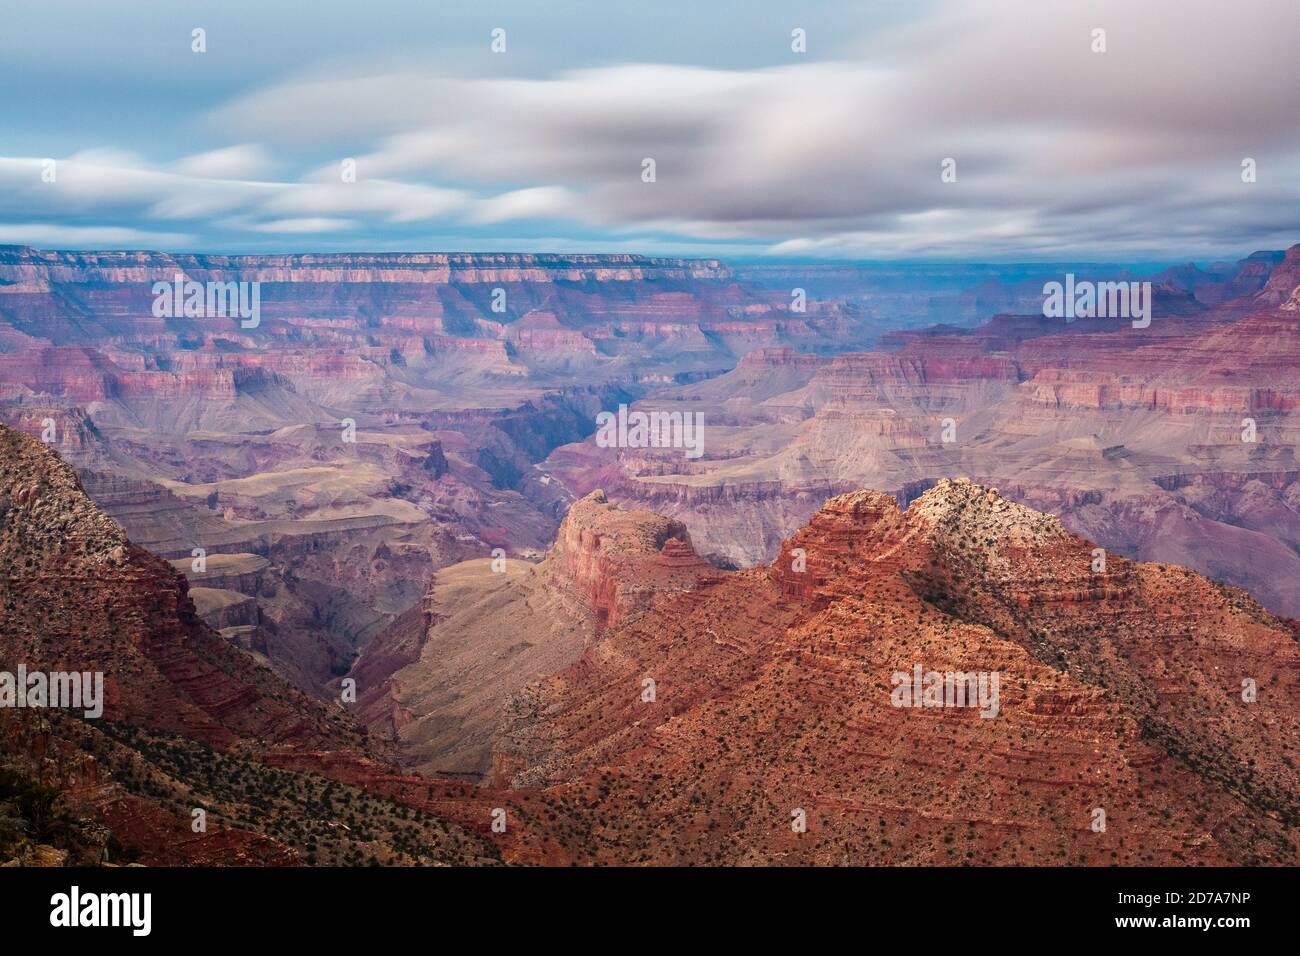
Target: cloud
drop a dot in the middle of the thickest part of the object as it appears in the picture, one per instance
(106, 182)
(245, 161)
(1059, 150)
(103, 237)
(536, 203)
(316, 224)
(392, 201)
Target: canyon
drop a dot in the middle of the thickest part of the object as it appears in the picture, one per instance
(391, 486)
(695, 716)
(1175, 443)
(382, 420)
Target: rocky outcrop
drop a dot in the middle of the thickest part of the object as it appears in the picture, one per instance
(776, 706)
(437, 680)
(617, 563)
(1282, 290)
(221, 608)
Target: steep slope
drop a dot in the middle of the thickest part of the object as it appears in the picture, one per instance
(1120, 691)
(188, 722)
(77, 592)
(438, 680)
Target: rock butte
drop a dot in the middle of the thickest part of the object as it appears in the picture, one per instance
(439, 681)
(1120, 690)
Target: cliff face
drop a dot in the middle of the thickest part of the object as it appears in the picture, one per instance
(39, 269)
(1119, 690)
(617, 562)
(81, 325)
(437, 680)
(1282, 290)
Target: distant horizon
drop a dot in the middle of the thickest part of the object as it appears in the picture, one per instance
(1044, 263)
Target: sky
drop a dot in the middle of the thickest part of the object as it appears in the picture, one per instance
(1054, 149)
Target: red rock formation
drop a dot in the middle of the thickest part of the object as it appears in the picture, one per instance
(1282, 290)
(1120, 690)
(437, 681)
(619, 562)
